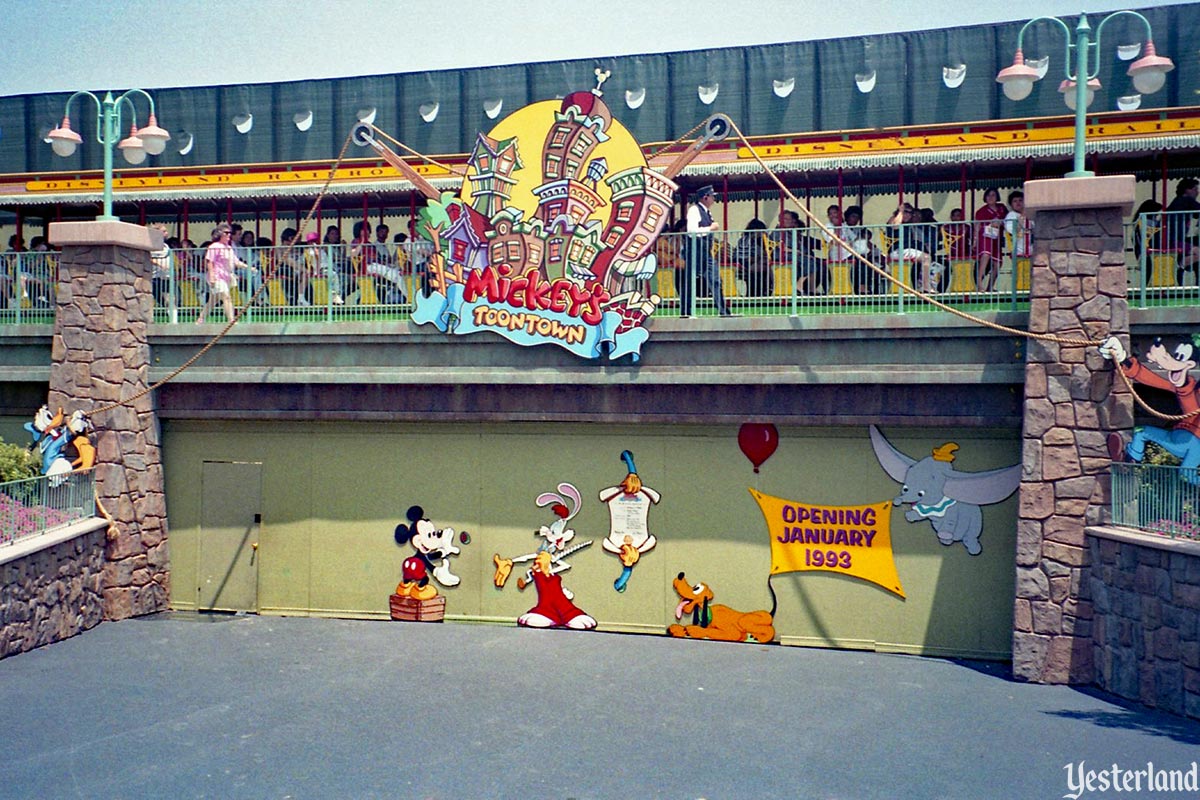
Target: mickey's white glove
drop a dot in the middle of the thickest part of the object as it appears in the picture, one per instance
(1112, 350)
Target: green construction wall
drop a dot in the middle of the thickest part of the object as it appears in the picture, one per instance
(333, 492)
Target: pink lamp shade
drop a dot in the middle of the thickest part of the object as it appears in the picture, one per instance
(1149, 72)
(1067, 89)
(132, 147)
(63, 139)
(1017, 79)
(154, 139)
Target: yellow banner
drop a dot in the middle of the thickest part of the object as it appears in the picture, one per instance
(850, 540)
(884, 142)
(230, 178)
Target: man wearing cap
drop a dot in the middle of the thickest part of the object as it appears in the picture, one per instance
(700, 263)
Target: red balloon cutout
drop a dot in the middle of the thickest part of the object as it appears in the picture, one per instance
(758, 441)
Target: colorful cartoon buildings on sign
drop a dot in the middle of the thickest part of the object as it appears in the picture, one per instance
(552, 257)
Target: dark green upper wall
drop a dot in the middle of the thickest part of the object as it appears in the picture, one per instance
(908, 90)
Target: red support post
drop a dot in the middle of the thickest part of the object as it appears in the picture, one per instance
(1163, 186)
(725, 203)
(962, 190)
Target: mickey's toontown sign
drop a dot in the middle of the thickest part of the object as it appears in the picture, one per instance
(550, 238)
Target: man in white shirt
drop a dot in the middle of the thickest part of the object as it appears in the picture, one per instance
(700, 263)
(836, 251)
(1018, 227)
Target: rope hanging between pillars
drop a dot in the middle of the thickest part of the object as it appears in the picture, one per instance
(314, 211)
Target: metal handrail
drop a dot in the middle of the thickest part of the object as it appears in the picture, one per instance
(1157, 499)
(807, 275)
(33, 506)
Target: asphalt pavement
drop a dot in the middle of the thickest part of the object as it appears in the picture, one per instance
(197, 706)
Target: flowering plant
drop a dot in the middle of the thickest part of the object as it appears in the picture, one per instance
(18, 520)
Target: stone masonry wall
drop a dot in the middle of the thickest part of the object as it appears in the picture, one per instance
(1146, 604)
(100, 354)
(1071, 404)
(52, 594)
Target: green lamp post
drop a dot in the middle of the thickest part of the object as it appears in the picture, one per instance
(1149, 73)
(149, 140)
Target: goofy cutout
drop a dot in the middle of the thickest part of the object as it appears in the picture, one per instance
(1182, 441)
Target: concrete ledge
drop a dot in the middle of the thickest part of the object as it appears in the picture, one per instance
(34, 544)
(1104, 191)
(604, 375)
(1156, 541)
(98, 232)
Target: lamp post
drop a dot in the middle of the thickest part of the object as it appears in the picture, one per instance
(1149, 73)
(150, 140)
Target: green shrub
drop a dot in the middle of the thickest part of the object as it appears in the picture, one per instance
(1159, 457)
(17, 463)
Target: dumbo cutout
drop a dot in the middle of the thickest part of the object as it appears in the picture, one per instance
(949, 499)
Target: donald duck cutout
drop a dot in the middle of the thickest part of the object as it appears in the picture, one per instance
(64, 443)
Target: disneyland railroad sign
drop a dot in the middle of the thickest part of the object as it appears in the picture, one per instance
(550, 238)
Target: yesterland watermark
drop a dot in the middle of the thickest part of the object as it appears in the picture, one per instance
(1083, 781)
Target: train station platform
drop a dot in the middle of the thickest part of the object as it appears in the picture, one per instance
(205, 706)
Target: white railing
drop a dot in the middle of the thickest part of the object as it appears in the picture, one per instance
(35, 505)
(759, 272)
(1157, 499)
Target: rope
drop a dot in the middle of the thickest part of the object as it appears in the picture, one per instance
(685, 137)
(429, 159)
(1044, 337)
(1145, 407)
(239, 312)
(830, 234)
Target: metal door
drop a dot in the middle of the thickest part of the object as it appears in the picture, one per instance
(230, 519)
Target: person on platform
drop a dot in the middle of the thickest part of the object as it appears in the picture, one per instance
(753, 259)
(701, 266)
(989, 240)
(1178, 218)
(220, 261)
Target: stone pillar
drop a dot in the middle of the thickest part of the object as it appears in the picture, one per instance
(101, 354)
(1078, 291)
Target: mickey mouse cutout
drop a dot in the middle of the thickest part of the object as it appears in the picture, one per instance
(432, 551)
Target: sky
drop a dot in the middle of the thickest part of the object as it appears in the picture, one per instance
(67, 45)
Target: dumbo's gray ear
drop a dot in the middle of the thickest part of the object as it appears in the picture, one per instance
(894, 463)
(983, 488)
